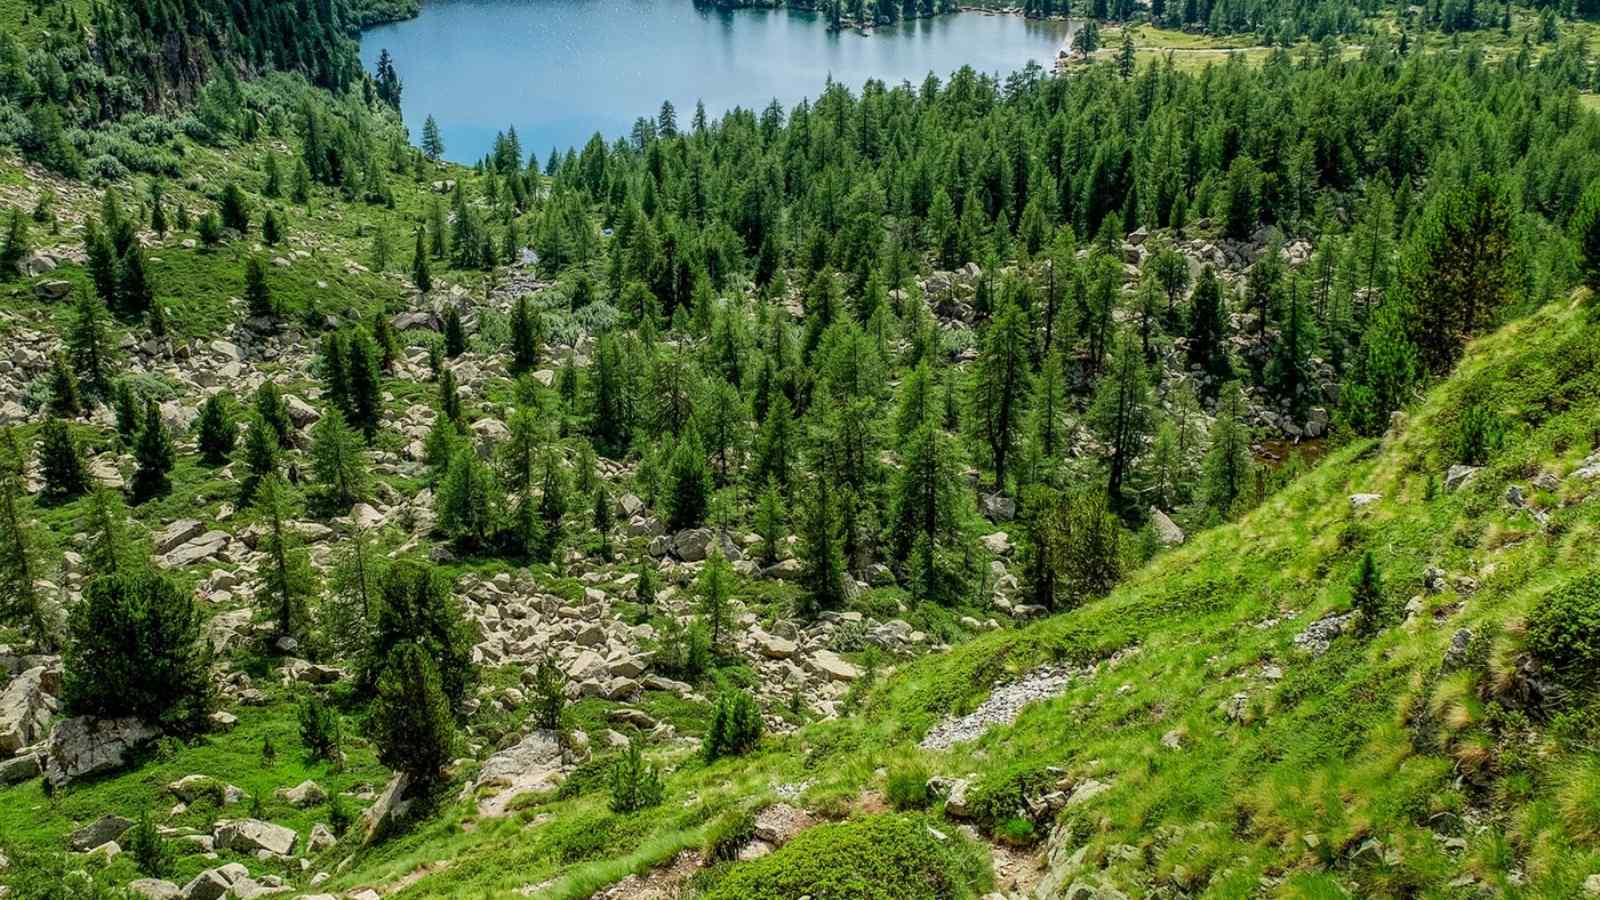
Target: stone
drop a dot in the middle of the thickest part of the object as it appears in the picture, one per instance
(306, 793)
(106, 828)
(1591, 885)
(1167, 531)
(998, 543)
(955, 796)
(773, 646)
(1456, 477)
(1086, 791)
(208, 885)
(250, 835)
(155, 889)
(532, 764)
(829, 665)
(997, 508)
(390, 807)
(301, 413)
(691, 545)
(1456, 654)
(299, 671)
(207, 546)
(321, 838)
(1319, 635)
(177, 534)
(785, 570)
(18, 769)
(87, 746)
(54, 289)
(779, 823)
(1357, 501)
(26, 708)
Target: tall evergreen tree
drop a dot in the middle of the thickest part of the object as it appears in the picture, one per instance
(154, 455)
(61, 462)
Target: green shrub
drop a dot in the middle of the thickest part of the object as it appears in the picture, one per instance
(340, 816)
(729, 834)
(1480, 434)
(886, 857)
(908, 787)
(635, 784)
(1016, 831)
(549, 695)
(1564, 630)
(681, 651)
(150, 851)
(735, 726)
(319, 729)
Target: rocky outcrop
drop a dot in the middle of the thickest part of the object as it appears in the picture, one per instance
(532, 764)
(27, 705)
(89, 746)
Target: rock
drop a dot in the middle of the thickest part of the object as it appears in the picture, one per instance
(306, 793)
(532, 764)
(1591, 885)
(177, 534)
(691, 545)
(299, 671)
(321, 838)
(827, 664)
(773, 646)
(955, 795)
(1319, 635)
(1457, 477)
(250, 835)
(52, 290)
(301, 413)
(106, 828)
(390, 807)
(1456, 654)
(207, 546)
(779, 823)
(86, 746)
(1001, 707)
(998, 543)
(1167, 531)
(208, 885)
(155, 889)
(18, 769)
(629, 505)
(1086, 791)
(1357, 501)
(26, 708)
(1173, 740)
(1236, 707)
(784, 570)
(364, 516)
(997, 508)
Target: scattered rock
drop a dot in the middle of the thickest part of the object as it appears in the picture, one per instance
(86, 746)
(306, 793)
(1456, 477)
(1002, 707)
(250, 835)
(532, 764)
(106, 828)
(155, 889)
(1167, 531)
(1319, 635)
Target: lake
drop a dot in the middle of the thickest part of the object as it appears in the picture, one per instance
(560, 70)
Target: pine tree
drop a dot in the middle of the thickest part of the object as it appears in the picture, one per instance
(287, 580)
(65, 400)
(274, 410)
(257, 293)
(466, 501)
(102, 263)
(110, 552)
(89, 346)
(334, 368)
(134, 293)
(61, 462)
(1208, 327)
(1367, 597)
(1386, 370)
(455, 338)
(688, 484)
(412, 725)
(774, 454)
(366, 385)
(1457, 269)
(820, 551)
(1001, 392)
(432, 142)
(15, 246)
(234, 209)
(1586, 232)
(1121, 414)
(258, 458)
(22, 603)
(415, 606)
(273, 188)
(421, 277)
(524, 336)
(1227, 464)
(339, 460)
(929, 507)
(769, 525)
(715, 589)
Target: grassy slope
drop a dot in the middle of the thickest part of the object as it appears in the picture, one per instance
(1323, 759)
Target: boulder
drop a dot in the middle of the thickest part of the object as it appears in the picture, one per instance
(1167, 531)
(390, 807)
(772, 646)
(1357, 501)
(997, 507)
(87, 746)
(322, 837)
(532, 764)
(18, 769)
(208, 885)
(251, 835)
(301, 413)
(207, 546)
(155, 889)
(306, 793)
(1458, 476)
(178, 533)
(26, 708)
(52, 290)
(106, 828)
(829, 665)
(1319, 635)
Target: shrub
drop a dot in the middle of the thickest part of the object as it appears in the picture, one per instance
(319, 729)
(886, 857)
(908, 787)
(549, 694)
(150, 851)
(682, 651)
(1480, 434)
(1367, 596)
(340, 817)
(635, 784)
(1564, 629)
(134, 649)
(1016, 831)
(735, 726)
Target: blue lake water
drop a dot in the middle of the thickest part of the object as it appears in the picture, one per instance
(560, 70)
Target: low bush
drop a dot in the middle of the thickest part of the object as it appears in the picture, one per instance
(885, 857)
(735, 726)
(635, 784)
(908, 787)
(1564, 630)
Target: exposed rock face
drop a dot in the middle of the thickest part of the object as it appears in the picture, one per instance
(26, 706)
(87, 746)
(106, 828)
(390, 807)
(1457, 477)
(1167, 531)
(532, 764)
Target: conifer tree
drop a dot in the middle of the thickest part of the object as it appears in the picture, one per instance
(1001, 392)
(715, 589)
(257, 293)
(524, 336)
(234, 209)
(432, 142)
(1367, 597)
(1227, 463)
(215, 430)
(416, 606)
(820, 551)
(1120, 412)
(421, 277)
(455, 337)
(287, 580)
(134, 649)
(412, 724)
(61, 462)
(153, 453)
(366, 387)
(258, 457)
(110, 551)
(769, 523)
(22, 603)
(1208, 327)
(89, 346)
(339, 460)
(688, 484)
(1586, 231)
(14, 248)
(274, 410)
(466, 501)
(65, 400)
(774, 454)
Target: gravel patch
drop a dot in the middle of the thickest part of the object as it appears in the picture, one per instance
(1002, 707)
